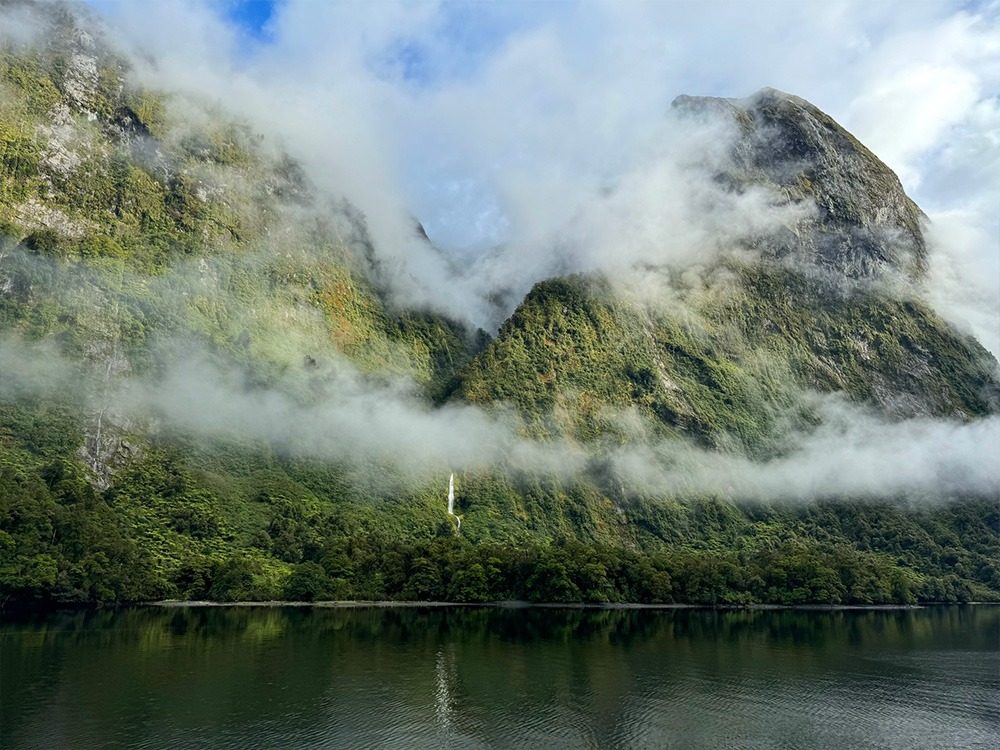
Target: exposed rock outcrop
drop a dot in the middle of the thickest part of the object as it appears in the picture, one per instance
(864, 222)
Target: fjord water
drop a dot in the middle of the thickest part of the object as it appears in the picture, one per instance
(197, 677)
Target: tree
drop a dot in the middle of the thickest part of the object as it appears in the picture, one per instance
(469, 585)
(308, 583)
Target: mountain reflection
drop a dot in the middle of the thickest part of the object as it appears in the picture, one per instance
(489, 676)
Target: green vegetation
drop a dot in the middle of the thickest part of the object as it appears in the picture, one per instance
(864, 343)
(575, 354)
(228, 522)
(572, 355)
(162, 533)
(127, 227)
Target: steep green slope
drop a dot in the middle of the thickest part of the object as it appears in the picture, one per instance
(731, 369)
(831, 302)
(895, 352)
(573, 354)
(128, 219)
(141, 232)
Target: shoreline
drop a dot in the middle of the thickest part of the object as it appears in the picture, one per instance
(519, 604)
(11, 607)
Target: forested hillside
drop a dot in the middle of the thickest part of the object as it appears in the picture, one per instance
(209, 390)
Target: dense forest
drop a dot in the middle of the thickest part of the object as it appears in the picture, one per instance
(164, 531)
(141, 231)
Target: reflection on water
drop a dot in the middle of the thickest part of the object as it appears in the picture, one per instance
(445, 671)
(489, 677)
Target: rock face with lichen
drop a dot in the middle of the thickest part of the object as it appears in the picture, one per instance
(863, 223)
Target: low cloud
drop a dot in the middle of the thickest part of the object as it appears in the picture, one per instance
(561, 137)
(853, 454)
(339, 414)
(962, 281)
(509, 125)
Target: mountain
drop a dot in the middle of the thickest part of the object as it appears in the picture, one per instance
(830, 304)
(863, 223)
(210, 389)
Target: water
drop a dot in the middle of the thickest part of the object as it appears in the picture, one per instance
(451, 495)
(451, 502)
(486, 677)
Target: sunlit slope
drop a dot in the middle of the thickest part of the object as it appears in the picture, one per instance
(150, 243)
(730, 372)
(129, 218)
(829, 302)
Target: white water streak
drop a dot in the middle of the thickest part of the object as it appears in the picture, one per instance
(451, 502)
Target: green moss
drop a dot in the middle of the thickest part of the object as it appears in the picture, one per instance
(19, 160)
(35, 86)
(224, 143)
(150, 110)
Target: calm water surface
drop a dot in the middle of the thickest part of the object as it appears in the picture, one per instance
(487, 677)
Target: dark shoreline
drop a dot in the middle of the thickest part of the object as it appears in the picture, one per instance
(11, 607)
(518, 604)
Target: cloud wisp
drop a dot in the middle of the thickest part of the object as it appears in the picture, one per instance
(558, 139)
(347, 417)
(853, 454)
(506, 124)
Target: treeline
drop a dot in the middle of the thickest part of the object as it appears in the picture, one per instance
(164, 531)
(62, 542)
(449, 569)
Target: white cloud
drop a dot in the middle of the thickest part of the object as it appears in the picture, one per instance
(503, 122)
(904, 115)
(514, 118)
(920, 84)
(931, 110)
(963, 280)
(852, 455)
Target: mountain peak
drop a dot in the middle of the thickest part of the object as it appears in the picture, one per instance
(864, 222)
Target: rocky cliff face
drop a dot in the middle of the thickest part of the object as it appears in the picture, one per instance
(828, 304)
(863, 223)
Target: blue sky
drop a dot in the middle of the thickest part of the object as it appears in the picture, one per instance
(251, 15)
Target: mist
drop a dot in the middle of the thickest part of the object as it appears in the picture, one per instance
(853, 454)
(507, 126)
(552, 153)
(331, 410)
(342, 415)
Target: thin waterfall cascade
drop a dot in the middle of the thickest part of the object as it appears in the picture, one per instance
(451, 502)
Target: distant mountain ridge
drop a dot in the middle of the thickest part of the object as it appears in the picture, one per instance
(815, 307)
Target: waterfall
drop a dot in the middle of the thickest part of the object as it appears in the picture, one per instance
(451, 502)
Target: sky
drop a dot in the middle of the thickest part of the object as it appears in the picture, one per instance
(495, 122)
